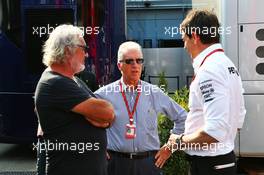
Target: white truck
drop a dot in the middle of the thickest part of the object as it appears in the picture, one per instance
(245, 46)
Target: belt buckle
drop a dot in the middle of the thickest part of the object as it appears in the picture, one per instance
(131, 155)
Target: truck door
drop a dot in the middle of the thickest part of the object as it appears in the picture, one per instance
(251, 67)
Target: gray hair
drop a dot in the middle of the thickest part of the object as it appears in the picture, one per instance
(124, 47)
(61, 36)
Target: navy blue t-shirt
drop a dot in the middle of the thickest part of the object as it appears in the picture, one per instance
(73, 145)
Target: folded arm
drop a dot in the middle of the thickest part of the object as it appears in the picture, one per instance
(97, 111)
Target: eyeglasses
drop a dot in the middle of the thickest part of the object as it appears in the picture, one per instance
(131, 61)
(84, 48)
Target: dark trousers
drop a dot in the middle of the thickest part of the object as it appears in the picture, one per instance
(217, 165)
(119, 165)
(41, 158)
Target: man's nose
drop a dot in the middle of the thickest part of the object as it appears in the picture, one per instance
(135, 64)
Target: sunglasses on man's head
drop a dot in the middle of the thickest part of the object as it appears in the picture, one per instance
(131, 61)
(84, 48)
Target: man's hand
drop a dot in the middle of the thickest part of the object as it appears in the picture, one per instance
(162, 156)
(172, 139)
(99, 124)
(172, 142)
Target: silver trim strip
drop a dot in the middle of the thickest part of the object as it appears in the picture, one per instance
(217, 167)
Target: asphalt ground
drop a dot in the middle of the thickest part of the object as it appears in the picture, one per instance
(17, 159)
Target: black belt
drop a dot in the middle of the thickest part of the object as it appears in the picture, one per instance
(134, 155)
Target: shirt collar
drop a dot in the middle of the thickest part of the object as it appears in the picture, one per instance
(200, 57)
(124, 86)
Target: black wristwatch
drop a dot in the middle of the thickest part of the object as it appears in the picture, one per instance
(178, 141)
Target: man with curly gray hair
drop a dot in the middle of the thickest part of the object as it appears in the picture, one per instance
(73, 120)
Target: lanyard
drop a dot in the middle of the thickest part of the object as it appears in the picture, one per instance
(130, 114)
(209, 54)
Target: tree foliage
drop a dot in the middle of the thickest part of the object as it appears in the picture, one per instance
(177, 163)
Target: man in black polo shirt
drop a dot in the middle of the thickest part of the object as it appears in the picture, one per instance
(71, 117)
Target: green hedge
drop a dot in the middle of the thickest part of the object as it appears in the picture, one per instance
(176, 164)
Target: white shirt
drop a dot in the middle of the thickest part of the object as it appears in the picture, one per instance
(216, 102)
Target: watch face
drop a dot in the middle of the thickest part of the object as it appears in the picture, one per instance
(179, 140)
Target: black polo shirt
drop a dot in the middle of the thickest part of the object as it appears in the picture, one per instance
(73, 145)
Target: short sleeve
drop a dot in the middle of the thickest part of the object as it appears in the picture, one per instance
(66, 94)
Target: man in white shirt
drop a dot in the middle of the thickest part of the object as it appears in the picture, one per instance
(216, 99)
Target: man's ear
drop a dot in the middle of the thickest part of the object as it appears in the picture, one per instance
(119, 66)
(67, 51)
(196, 38)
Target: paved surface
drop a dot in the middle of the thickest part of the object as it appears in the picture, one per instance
(17, 159)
